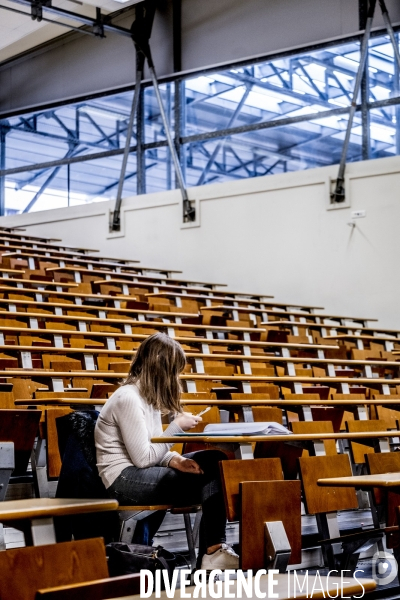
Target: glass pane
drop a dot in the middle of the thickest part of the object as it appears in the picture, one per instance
(276, 150)
(72, 130)
(384, 132)
(97, 180)
(300, 84)
(160, 174)
(153, 127)
(292, 86)
(38, 190)
(383, 79)
(78, 183)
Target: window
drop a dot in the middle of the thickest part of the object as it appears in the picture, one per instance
(274, 116)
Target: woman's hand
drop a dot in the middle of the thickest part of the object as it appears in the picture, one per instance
(186, 465)
(187, 421)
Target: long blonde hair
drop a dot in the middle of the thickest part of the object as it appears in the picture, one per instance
(156, 367)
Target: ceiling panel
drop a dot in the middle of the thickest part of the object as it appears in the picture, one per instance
(19, 33)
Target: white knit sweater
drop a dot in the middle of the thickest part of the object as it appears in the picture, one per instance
(123, 432)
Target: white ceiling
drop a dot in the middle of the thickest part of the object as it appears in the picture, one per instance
(19, 33)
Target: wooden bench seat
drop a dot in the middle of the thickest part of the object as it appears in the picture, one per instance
(324, 330)
(195, 382)
(95, 323)
(241, 364)
(388, 343)
(69, 308)
(17, 282)
(7, 252)
(121, 278)
(218, 296)
(281, 313)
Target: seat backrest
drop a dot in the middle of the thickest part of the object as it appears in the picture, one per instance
(390, 415)
(334, 414)
(7, 395)
(367, 426)
(233, 472)
(260, 391)
(250, 396)
(26, 570)
(263, 501)
(267, 413)
(384, 462)
(320, 499)
(347, 415)
(301, 397)
(322, 390)
(359, 450)
(21, 427)
(336, 396)
(316, 427)
(197, 396)
(53, 452)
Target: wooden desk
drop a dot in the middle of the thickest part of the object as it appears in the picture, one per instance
(89, 307)
(382, 480)
(230, 297)
(282, 312)
(123, 322)
(389, 341)
(284, 404)
(132, 280)
(63, 255)
(248, 439)
(7, 281)
(366, 331)
(285, 584)
(243, 443)
(386, 481)
(38, 513)
(48, 373)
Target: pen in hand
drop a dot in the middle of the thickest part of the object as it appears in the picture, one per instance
(203, 412)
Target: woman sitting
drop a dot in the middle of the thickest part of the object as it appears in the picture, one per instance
(138, 472)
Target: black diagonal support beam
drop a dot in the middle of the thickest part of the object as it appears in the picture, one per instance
(141, 32)
(339, 193)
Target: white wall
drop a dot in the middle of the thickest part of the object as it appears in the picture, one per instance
(272, 235)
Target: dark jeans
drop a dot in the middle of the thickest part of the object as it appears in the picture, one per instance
(165, 485)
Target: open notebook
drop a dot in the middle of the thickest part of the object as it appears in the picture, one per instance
(261, 428)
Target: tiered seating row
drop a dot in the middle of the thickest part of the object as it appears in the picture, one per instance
(70, 324)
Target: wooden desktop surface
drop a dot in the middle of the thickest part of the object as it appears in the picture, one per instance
(383, 480)
(34, 508)
(218, 402)
(246, 309)
(294, 437)
(22, 372)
